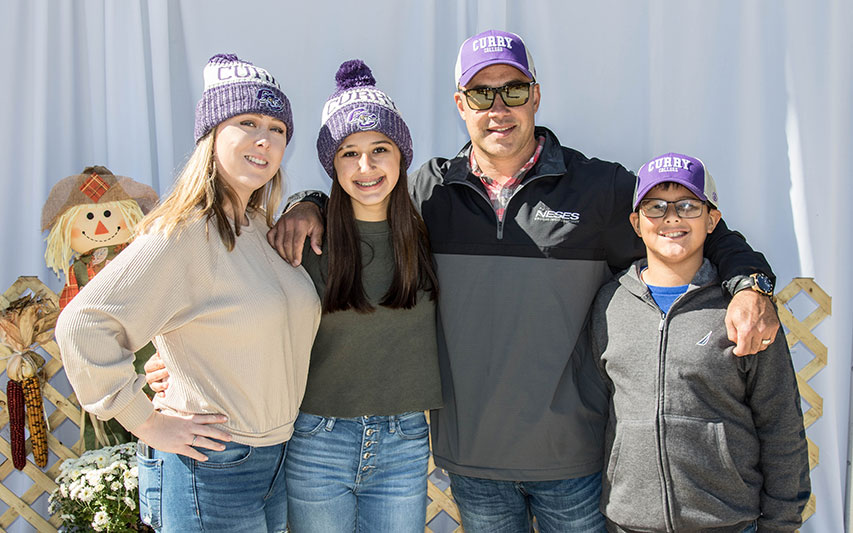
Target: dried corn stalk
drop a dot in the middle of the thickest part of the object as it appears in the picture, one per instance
(27, 321)
(15, 403)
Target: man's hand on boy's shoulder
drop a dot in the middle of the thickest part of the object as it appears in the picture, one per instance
(751, 321)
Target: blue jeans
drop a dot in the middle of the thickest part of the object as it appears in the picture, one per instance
(491, 506)
(240, 489)
(365, 474)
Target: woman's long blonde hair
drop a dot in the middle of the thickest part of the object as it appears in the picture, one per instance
(199, 191)
(59, 252)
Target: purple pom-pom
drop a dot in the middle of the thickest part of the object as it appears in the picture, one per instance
(224, 58)
(354, 73)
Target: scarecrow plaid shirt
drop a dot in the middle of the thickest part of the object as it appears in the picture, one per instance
(87, 265)
(500, 194)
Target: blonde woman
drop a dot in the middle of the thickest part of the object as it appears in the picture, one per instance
(233, 323)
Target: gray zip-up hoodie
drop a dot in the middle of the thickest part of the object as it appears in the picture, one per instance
(698, 439)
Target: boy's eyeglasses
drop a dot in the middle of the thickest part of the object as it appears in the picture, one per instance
(513, 94)
(657, 208)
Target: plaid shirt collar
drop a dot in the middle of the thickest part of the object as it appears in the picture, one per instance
(500, 194)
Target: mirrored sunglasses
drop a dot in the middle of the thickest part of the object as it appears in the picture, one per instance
(513, 94)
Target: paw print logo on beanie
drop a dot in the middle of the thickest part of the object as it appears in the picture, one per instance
(268, 98)
(364, 119)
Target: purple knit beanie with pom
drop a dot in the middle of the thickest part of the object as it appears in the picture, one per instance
(357, 105)
(233, 87)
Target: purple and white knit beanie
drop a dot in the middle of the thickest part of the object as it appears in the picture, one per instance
(357, 105)
(233, 87)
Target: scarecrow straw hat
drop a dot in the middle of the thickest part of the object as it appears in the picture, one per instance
(96, 184)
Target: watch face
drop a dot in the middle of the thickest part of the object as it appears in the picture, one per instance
(764, 283)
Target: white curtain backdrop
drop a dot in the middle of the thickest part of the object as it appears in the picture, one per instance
(761, 90)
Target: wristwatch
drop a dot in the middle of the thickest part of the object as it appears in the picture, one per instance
(755, 281)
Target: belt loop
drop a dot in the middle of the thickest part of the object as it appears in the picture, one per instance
(330, 424)
(392, 424)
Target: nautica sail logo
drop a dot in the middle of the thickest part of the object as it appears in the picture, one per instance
(704, 340)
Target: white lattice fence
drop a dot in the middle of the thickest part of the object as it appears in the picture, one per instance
(801, 331)
(60, 408)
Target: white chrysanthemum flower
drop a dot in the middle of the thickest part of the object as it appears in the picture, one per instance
(93, 477)
(130, 502)
(75, 488)
(86, 494)
(100, 520)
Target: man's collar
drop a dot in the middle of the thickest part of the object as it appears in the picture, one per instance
(550, 161)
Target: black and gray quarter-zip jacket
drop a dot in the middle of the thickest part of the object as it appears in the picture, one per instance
(514, 298)
(698, 439)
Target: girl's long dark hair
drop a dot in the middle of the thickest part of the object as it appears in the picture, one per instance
(413, 267)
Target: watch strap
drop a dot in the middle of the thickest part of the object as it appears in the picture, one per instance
(739, 283)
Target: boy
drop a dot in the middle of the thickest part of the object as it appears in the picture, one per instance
(698, 439)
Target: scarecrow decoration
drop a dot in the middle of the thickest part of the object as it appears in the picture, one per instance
(92, 217)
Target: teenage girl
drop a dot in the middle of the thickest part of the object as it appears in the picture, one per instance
(358, 457)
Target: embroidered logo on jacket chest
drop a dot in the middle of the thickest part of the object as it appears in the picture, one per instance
(543, 214)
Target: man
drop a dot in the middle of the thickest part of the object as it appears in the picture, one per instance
(524, 232)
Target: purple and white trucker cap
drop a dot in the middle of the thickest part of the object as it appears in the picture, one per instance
(492, 47)
(677, 168)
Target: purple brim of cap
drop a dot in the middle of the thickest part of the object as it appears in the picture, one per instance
(692, 188)
(474, 69)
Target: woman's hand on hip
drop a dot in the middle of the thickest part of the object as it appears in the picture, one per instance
(183, 433)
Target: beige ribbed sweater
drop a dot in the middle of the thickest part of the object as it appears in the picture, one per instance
(234, 329)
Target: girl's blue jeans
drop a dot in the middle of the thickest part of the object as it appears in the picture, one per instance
(364, 474)
(240, 489)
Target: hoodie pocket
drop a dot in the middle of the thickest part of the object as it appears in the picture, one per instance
(632, 493)
(706, 484)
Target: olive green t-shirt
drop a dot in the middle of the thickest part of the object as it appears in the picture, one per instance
(379, 363)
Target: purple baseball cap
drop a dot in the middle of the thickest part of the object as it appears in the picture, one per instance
(677, 168)
(492, 47)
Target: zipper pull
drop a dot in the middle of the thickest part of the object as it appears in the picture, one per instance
(662, 320)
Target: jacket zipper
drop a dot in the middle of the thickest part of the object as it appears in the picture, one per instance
(659, 418)
(663, 329)
(498, 221)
